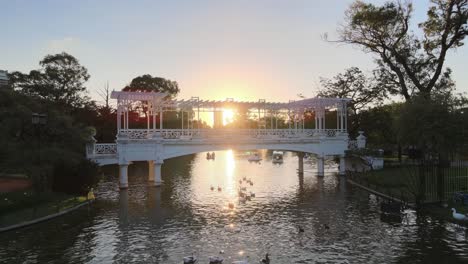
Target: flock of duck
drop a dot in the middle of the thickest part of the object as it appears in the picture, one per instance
(242, 192)
(244, 196)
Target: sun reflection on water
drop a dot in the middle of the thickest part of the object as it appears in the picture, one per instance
(230, 168)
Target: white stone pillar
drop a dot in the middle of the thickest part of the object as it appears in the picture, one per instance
(123, 206)
(361, 140)
(126, 118)
(300, 158)
(157, 173)
(342, 165)
(320, 166)
(342, 117)
(320, 118)
(119, 117)
(123, 176)
(338, 117)
(150, 171)
(323, 118)
(316, 121)
(345, 114)
(161, 119)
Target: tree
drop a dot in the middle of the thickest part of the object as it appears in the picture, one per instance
(380, 126)
(353, 84)
(431, 126)
(61, 80)
(148, 83)
(413, 61)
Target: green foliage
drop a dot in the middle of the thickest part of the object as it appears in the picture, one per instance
(363, 152)
(412, 62)
(75, 176)
(20, 200)
(39, 151)
(380, 125)
(60, 80)
(148, 83)
(430, 125)
(353, 84)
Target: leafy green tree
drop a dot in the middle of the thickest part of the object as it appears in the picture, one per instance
(430, 126)
(353, 84)
(61, 80)
(148, 83)
(52, 155)
(363, 91)
(380, 126)
(413, 61)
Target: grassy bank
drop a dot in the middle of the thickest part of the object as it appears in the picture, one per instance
(17, 207)
(403, 183)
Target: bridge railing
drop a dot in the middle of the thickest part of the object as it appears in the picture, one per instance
(226, 133)
(214, 134)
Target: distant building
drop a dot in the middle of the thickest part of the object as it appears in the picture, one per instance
(3, 79)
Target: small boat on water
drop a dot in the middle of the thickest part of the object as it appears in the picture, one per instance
(277, 157)
(254, 158)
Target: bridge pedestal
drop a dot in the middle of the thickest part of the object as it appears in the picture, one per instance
(342, 165)
(300, 158)
(157, 181)
(150, 171)
(320, 166)
(123, 176)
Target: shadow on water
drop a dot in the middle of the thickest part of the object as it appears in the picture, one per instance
(297, 218)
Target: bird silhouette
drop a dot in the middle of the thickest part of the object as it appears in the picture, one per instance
(266, 260)
(300, 229)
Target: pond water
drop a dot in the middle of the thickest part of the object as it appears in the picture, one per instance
(341, 224)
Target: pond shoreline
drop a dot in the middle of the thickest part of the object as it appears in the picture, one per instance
(410, 205)
(44, 218)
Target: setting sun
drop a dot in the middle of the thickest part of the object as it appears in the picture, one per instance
(228, 116)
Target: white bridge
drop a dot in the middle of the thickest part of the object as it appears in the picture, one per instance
(276, 126)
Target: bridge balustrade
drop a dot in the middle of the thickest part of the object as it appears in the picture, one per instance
(224, 133)
(215, 134)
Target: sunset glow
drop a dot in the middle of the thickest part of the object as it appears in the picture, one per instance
(228, 116)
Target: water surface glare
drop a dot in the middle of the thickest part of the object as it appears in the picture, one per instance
(162, 225)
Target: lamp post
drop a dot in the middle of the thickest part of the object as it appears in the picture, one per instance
(39, 120)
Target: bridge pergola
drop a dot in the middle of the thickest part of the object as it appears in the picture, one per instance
(156, 143)
(294, 110)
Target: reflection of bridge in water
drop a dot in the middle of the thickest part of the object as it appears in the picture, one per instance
(278, 126)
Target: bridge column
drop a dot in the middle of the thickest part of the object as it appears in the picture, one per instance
(150, 171)
(157, 181)
(342, 165)
(123, 175)
(300, 158)
(320, 166)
